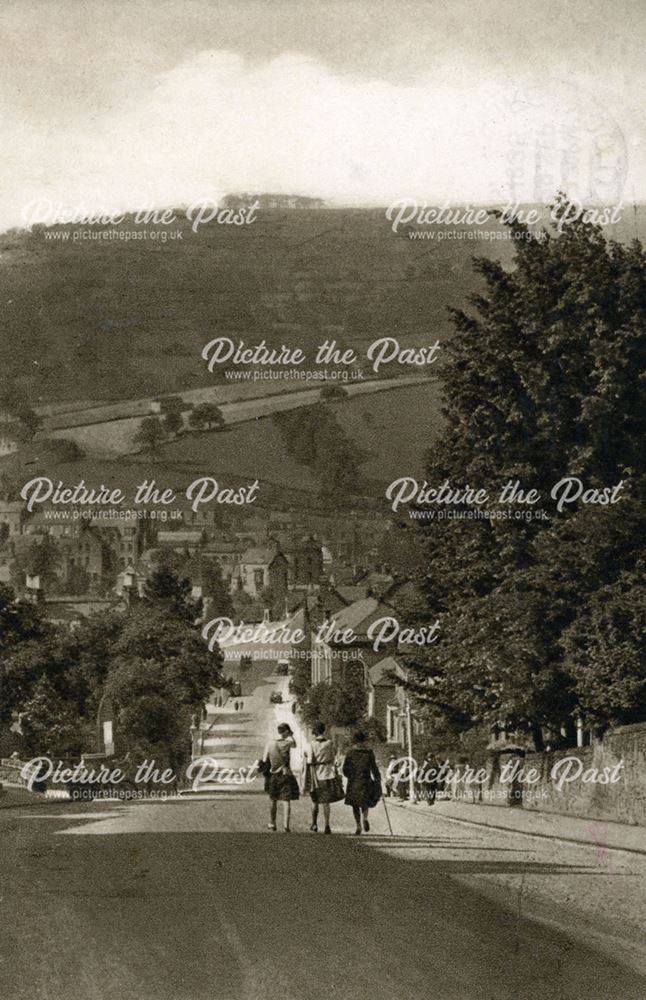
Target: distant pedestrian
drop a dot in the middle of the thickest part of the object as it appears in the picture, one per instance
(322, 776)
(391, 780)
(280, 783)
(426, 783)
(364, 780)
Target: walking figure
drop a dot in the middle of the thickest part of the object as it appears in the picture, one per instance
(364, 781)
(322, 776)
(280, 783)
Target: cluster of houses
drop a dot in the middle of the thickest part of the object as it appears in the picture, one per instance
(270, 563)
(261, 562)
(267, 559)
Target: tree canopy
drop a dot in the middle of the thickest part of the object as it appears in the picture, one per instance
(543, 379)
(150, 661)
(314, 437)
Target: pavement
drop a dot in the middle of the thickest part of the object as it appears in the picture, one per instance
(192, 898)
(601, 834)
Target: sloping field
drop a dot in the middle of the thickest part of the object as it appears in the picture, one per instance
(394, 428)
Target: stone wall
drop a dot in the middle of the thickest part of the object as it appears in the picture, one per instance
(574, 782)
(10, 773)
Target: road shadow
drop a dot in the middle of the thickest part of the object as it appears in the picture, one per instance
(245, 916)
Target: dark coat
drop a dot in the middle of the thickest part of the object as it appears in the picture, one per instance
(364, 780)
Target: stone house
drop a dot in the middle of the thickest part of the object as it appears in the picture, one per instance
(331, 653)
(259, 568)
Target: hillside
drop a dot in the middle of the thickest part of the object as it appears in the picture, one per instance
(95, 320)
(111, 320)
(379, 425)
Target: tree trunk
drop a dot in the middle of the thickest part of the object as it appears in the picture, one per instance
(537, 736)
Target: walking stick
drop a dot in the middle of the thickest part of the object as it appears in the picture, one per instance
(387, 816)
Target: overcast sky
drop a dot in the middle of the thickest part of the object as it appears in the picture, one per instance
(121, 103)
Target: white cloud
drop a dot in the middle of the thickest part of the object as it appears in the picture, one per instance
(216, 123)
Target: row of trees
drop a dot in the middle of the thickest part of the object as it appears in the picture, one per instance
(153, 431)
(150, 662)
(543, 621)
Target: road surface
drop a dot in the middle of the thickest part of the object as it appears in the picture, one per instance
(196, 901)
(193, 899)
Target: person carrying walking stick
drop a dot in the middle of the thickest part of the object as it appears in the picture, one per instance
(364, 781)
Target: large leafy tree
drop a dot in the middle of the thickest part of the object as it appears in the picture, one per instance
(543, 379)
(152, 633)
(75, 663)
(150, 436)
(342, 702)
(605, 650)
(152, 721)
(314, 437)
(151, 662)
(161, 673)
(206, 415)
(549, 366)
(49, 725)
(20, 621)
(22, 632)
(166, 589)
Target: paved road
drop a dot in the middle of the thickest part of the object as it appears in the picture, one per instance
(235, 736)
(193, 899)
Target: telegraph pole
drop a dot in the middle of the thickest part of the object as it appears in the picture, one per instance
(411, 768)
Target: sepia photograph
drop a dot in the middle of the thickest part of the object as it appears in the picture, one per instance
(322, 500)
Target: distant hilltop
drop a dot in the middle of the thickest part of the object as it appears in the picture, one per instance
(267, 201)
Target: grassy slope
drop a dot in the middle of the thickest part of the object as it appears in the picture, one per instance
(113, 320)
(382, 426)
(393, 428)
